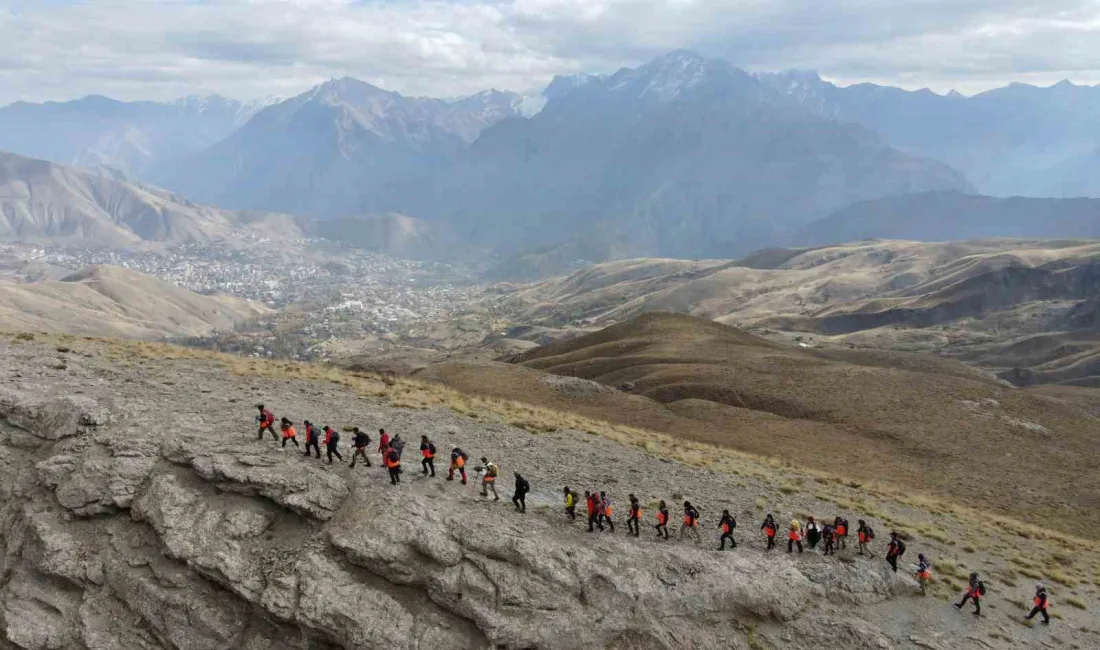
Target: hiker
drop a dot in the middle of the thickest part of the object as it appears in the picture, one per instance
(813, 533)
(313, 436)
(828, 539)
(488, 482)
(974, 591)
(398, 445)
(865, 534)
(570, 504)
(691, 522)
(605, 510)
(267, 421)
(332, 440)
(592, 505)
(841, 525)
(289, 433)
(770, 529)
(662, 520)
(360, 440)
(1042, 603)
(634, 516)
(427, 450)
(519, 497)
(894, 550)
(393, 464)
(924, 573)
(383, 444)
(727, 524)
(458, 461)
(794, 536)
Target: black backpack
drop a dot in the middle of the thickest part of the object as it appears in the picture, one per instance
(431, 447)
(335, 436)
(870, 532)
(901, 547)
(981, 587)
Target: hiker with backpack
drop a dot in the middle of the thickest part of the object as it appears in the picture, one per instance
(841, 526)
(332, 442)
(489, 481)
(313, 437)
(1042, 604)
(924, 573)
(794, 536)
(519, 497)
(634, 516)
(427, 450)
(770, 529)
(865, 534)
(393, 464)
(894, 550)
(398, 444)
(458, 462)
(605, 511)
(726, 524)
(359, 442)
(266, 419)
(975, 590)
(828, 539)
(570, 504)
(662, 520)
(691, 523)
(813, 533)
(383, 444)
(592, 506)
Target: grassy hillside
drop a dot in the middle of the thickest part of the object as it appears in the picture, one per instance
(922, 423)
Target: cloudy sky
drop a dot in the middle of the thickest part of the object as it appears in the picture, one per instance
(162, 49)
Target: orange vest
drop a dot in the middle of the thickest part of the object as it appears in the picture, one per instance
(973, 592)
(769, 530)
(842, 531)
(662, 518)
(863, 537)
(392, 461)
(289, 432)
(689, 520)
(925, 575)
(726, 528)
(1040, 604)
(607, 511)
(459, 462)
(794, 535)
(428, 453)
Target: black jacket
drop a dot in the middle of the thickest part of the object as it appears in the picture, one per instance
(522, 486)
(362, 439)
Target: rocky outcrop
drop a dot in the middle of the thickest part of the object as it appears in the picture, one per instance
(118, 532)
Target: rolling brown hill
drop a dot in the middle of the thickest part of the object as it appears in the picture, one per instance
(924, 423)
(982, 301)
(112, 301)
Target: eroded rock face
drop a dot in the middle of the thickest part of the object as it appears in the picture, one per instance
(121, 532)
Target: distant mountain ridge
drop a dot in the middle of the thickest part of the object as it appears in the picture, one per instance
(343, 148)
(1018, 140)
(43, 201)
(134, 137)
(954, 216)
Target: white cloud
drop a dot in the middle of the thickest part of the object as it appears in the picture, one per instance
(248, 48)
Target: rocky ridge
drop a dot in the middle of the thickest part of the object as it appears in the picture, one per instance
(139, 512)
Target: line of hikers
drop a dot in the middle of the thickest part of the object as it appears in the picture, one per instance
(391, 449)
(832, 537)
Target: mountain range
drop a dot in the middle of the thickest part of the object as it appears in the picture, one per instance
(44, 201)
(684, 156)
(1019, 140)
